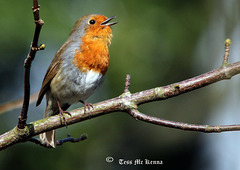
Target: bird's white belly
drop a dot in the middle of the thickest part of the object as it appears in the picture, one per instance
(70, 86)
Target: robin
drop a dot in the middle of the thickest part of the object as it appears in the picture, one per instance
(77, 69)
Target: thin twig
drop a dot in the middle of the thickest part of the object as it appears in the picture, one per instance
(71, 139)
(59, 142)
(127, 83)
(182, 126)
(27, 65)
(11, 105)
(227, 50)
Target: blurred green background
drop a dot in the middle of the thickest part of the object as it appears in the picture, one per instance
(157, 43)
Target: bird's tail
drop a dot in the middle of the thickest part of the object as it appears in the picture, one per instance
(49, 138)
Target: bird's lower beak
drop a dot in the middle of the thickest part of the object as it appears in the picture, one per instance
(106, 22)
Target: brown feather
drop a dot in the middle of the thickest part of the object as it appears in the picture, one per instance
(51, 72)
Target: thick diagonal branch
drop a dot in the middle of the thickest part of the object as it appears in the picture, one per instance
(172, 90)
(129, 102)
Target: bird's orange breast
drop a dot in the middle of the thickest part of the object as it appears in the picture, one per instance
(92, 55)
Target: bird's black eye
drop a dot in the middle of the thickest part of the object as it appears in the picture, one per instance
(92, 22)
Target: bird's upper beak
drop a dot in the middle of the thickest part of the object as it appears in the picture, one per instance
(106, 22)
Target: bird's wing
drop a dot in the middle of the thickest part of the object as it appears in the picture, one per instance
(52, 71)
(50, 74)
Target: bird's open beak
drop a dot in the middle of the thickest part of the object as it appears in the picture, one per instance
(106, 22)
